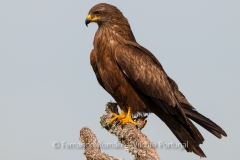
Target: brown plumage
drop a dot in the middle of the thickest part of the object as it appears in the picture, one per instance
(136, 79)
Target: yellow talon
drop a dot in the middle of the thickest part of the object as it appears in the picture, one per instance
(128, 118)
(123, 118)
(119, 117)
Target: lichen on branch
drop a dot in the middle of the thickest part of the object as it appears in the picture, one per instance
(130, 136)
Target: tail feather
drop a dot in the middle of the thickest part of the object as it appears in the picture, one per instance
(185, 133)
(204, 122)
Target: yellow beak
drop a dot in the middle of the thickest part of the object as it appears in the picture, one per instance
(89, 19)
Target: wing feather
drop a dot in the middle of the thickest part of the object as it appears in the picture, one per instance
(145, 73)
(152, 80)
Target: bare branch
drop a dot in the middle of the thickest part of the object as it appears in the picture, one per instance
(92, 148)
(129, 135)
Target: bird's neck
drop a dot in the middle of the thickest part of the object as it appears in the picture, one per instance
(119, 30)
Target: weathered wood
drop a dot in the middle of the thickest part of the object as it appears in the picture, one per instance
(130, 136)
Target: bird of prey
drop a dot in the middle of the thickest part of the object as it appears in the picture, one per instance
(137, 81)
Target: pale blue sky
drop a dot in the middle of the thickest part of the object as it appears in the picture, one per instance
(48, 90)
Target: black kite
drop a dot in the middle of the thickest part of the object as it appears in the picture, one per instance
(138, 82)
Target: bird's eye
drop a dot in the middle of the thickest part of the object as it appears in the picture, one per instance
(97, 13)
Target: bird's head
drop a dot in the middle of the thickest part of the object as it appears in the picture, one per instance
(104, 13)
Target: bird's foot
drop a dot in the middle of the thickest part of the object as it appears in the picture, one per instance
(128, 118)
(119, 117)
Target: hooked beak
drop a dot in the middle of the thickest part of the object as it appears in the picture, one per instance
(89, 19)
